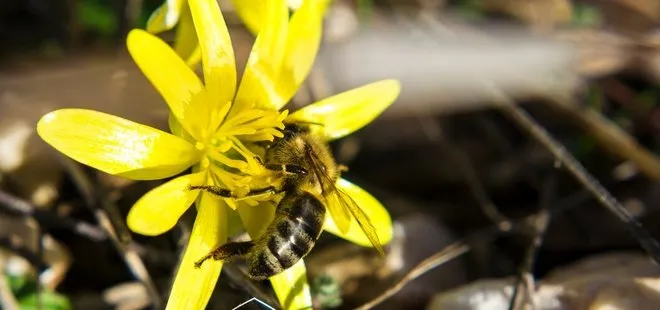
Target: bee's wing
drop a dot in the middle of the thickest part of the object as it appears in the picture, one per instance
(340, 215)
(348, 205)
(342, 206)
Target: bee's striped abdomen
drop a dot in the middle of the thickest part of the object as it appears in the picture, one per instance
(297, 225)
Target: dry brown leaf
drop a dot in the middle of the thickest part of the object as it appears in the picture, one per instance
(538, 13)
(630, 15)
(599, 52)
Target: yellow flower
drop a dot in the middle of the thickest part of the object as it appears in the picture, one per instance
(213, 125)
(186, 44)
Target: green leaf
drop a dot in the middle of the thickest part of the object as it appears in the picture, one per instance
(17, 283)
(45, 301)
(327, 291)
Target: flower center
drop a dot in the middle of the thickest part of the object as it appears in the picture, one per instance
(229, 154)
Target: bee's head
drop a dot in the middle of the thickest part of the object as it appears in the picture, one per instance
(294, 128)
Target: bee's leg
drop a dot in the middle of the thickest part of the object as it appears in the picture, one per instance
(227, 251)
(288, 168)
(226, 193)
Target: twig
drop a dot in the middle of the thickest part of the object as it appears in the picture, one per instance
(461, 247)
(434, 132)
(447, 254)
(475, 186)
(539, 226)
(107, 215)
(17, 206)
(613, 138)
(24, 252)
(526, 122)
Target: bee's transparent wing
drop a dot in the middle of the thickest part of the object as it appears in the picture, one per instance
(340, 214)
(348, 206)
(342, 206)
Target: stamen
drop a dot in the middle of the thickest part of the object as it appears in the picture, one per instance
(233, 163)
(240, 131)
(245, 117)
(249, 156)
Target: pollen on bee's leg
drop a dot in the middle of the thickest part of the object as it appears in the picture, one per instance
(216, 190)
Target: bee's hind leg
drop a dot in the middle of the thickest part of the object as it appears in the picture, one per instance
(227, 251)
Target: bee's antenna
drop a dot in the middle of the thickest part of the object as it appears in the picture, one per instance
(308, 123)
(315, 124)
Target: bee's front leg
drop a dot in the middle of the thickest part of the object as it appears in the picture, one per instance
(287, 168)
(227, 193)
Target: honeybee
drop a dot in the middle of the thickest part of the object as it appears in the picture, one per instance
(307, 173)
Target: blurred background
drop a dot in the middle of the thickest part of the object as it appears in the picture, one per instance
(495, 212)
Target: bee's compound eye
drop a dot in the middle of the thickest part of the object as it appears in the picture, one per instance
(295, 169)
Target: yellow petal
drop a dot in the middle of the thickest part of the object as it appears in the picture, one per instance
(256, 218)
(177, 130)
(217, 51)
(169, 74)
(115, 145)
(166, 16)
(291, 287)
(185, 40)
(377, 214)
(159, 209)
(302, 44)
(251, 12)
(349, 111)
(294, 4)
(259, 85)
(193, 287)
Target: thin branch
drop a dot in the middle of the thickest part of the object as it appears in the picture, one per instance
(107, 215)
(476, 187)
(24, 252)
(539, 225)
(17, 206)
(443, 256)
(461, 247)
(613, 138)
(447, 254)
(566, 159)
